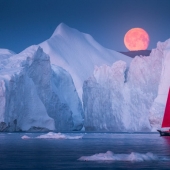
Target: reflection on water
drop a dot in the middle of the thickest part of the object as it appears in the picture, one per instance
(166, 140)
(35, 153)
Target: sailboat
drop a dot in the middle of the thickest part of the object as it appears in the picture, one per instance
(166, 118)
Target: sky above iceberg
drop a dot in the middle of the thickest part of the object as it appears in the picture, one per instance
(23, 23)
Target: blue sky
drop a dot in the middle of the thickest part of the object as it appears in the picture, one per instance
(27, 22)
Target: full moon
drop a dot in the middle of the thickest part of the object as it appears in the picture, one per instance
(136, 39)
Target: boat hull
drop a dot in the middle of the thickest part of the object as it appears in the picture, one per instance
(164, 133)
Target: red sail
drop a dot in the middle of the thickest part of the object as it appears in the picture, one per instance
(166, 119)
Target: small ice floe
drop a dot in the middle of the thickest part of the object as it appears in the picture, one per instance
(52, 135)
(25, 137)
(110, 156)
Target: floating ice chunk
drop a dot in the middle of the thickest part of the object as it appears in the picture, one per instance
(52, 135)
(25, 137)
(110, 156)
(30, 76)
(74, 137)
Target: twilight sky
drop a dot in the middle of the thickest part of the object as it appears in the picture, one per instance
(27, 22)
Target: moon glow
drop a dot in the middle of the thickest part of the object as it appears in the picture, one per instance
(136, 39)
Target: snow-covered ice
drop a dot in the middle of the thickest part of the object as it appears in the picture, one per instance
(132, 157)
(5, 54)
(78, 53)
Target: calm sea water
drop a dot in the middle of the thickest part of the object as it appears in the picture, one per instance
(16, 153)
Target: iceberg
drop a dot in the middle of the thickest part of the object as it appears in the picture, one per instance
(158, 106)
(70, 82)
(36, 95)
(78, 53)
(128, 98)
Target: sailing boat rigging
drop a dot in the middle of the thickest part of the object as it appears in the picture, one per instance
(166, 118)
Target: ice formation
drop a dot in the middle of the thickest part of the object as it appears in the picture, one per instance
(37, 96)
(132, 157)
(78, 53)
(158, 106)
(43, 91)
(122, 98)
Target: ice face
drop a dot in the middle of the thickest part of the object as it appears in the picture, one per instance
(100, 96)
(112, 103)
(158, 106)
(30, 92)
(122, 98)
(126, 95)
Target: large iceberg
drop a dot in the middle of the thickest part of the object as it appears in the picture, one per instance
(78, 53)
(43, 88)
(122, 98)
(158, 106)
(37, 96)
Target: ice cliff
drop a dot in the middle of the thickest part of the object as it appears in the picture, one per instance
(122, 98)
(158, 106)
(35, 95)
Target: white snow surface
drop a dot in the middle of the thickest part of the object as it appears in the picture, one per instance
(78, 53)
(52, 135)
(34, 94)
(6, 52)
(132, 157)
(4, 55)
(122, 98)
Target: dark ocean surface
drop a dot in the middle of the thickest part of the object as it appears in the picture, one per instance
(50, 154)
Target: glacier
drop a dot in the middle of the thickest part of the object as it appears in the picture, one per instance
(37, 96)
(70, 82)
(122, 98)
